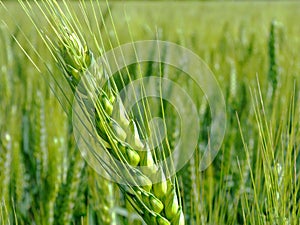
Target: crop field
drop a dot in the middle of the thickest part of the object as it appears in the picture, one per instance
(149, 112)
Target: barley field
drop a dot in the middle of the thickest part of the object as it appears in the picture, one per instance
(72, 153)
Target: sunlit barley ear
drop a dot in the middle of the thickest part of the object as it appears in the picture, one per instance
(157, 204)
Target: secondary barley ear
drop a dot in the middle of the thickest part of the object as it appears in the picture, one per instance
(273, 61)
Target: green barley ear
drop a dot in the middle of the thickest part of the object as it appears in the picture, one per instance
(40, 144)
(5, 163)
(273, 61)
(64, 204)
(159, 203)
(102, 198)
(162, 198)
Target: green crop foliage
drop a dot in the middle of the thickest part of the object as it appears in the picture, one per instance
(251, 47)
